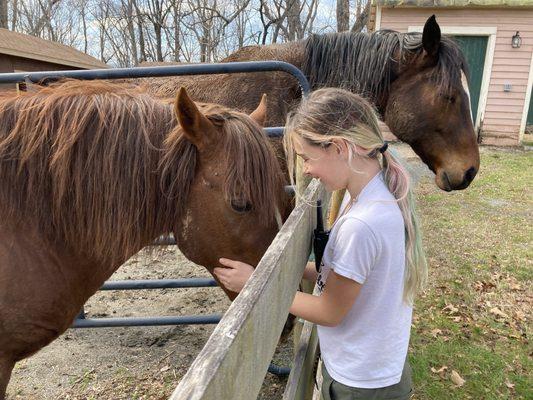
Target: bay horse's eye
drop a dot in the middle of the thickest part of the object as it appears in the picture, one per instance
(241, 206)
(450, 99)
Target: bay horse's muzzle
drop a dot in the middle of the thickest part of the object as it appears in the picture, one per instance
(447, 182)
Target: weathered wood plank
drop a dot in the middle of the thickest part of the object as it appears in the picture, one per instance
(301, 380)
(234, 361)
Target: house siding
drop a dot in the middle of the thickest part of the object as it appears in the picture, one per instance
(504, 110)
(10, 63)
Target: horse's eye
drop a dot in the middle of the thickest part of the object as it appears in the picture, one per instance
(450, 99)
(241, 206)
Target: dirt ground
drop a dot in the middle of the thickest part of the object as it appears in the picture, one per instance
(131, 362)
(137, 362)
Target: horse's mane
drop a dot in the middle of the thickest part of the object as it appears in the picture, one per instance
(365, 63)
(103, 167)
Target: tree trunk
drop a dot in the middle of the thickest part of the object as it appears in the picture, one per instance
(158, 42)
(84, 24)
(142, 48)
(131, 31)
(343, 15)
(3, 14)
(15, 11)
(362, 16)
(293, 18)
(177, 45)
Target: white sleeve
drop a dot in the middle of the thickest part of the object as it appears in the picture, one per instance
(355, 250)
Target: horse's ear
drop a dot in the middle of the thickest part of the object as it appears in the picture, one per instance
(431, 37)
(196, 127)
(259, 114)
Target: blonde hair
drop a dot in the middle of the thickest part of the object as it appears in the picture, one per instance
(333, 113)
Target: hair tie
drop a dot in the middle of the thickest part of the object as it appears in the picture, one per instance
(383, 148)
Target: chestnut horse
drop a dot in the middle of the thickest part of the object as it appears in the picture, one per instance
(92, 172)
(416, 81)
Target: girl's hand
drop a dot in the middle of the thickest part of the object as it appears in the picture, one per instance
(234, 274)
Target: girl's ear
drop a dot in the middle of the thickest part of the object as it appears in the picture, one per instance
(340, 146)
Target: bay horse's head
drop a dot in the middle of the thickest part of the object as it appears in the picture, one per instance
(236, 200)
(429, 107)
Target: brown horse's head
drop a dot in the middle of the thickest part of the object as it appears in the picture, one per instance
(236, 200)
(104, 169)
(429, 108)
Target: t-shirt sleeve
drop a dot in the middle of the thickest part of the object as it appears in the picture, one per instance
(355, 250)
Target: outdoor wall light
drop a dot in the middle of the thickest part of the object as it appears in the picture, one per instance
(516, 41)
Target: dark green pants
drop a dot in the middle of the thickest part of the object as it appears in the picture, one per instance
(333, 390)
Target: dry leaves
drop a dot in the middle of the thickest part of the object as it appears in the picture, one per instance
(450, 309)
(496, 311)
(456, 378)
(482, 286)
(435, 332)
(441, 371)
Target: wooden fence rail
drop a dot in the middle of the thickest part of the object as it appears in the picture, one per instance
(233, 363)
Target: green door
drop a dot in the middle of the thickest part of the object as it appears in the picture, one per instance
(474, 48)
(530, 112)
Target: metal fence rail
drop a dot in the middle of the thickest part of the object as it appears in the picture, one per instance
(153, 72)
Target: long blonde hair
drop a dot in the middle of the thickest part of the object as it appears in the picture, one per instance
(333, 113)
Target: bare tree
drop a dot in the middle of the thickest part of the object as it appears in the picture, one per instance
(127, 32)
(128, 12)
(291, 18)
(343, 15)
(362, 13)
(175, 43)
(14, 14)
(3, 14)
(83, 16)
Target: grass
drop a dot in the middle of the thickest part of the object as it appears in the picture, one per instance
(474, 317)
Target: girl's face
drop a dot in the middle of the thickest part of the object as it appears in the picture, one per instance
(328, 164)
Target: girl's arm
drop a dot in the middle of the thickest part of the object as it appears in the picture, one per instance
(328, 309)
(310, 273)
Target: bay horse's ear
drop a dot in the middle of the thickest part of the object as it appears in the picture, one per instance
(431, 37)
(196, 127)
(259, 114)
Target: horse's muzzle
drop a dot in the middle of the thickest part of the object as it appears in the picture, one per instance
(447, 182)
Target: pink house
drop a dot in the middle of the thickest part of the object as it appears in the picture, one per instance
(497, 39)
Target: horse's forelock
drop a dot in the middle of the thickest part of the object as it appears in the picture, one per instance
(253, 171)
(449, 64)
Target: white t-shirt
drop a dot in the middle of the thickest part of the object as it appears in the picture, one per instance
(367, 244)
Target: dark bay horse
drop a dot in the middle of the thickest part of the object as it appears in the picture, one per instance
(414, 80)
(92, 172)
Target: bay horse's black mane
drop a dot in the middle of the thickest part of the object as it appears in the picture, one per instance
(365, 63)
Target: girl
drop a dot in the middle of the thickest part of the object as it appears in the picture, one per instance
(373, 264)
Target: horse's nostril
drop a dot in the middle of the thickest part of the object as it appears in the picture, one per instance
(446, 182)
(470, 174)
